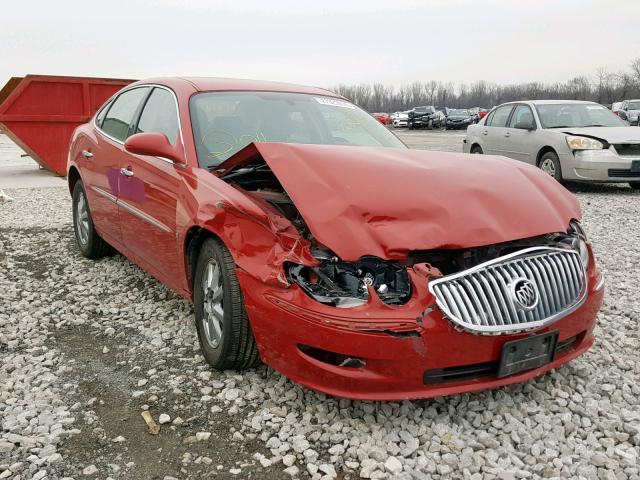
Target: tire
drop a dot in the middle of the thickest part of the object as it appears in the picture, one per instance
(224, 332)
(90, 244)
(635, 185)
(430, 125)
(549, 163)
(476, 150)
(410, 126)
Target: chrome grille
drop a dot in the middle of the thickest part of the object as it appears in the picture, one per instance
(483, 298)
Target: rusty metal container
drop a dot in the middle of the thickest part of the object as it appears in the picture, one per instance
(40, 112)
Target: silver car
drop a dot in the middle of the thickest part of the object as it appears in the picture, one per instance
(570, 140)
(630, 111)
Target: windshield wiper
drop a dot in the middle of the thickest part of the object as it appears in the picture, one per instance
(594, 125)
(560, 126)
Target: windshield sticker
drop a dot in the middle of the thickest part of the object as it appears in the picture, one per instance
(333, 102)
(594, 107)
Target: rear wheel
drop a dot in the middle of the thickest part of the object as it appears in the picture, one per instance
(225, 335)
(550, 164)
(476, 149)
(635, 185)
(91, 245)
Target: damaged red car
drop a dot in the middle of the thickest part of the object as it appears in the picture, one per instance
(310, 238)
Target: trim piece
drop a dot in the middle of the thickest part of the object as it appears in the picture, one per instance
(105, 194)
(143, 216)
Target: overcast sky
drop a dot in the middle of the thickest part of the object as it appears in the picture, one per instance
(321, 43)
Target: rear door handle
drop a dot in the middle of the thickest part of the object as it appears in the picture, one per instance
(126, 172)
(87, 154)
(507, 134)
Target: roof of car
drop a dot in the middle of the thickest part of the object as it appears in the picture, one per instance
(204, 84)
(552, 102)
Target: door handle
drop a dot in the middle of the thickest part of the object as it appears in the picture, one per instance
(485, 132)
(87, 154)
(126, 172)
(507, 134)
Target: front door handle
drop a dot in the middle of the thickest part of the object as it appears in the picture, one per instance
(507, 134)
(126, 172)
(87, 154)
(485, 132)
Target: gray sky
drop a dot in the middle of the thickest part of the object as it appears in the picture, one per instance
(321, 43)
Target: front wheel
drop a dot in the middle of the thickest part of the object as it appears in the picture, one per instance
(635, 185)
(91, 245)
(550, 164)
(224, 332)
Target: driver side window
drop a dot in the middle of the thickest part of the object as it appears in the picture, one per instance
(499, 116)
(522, 114)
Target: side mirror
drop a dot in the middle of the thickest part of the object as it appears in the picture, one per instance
(153, 144)
(525, 126)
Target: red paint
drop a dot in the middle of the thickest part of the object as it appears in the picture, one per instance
(356, 201)
(40, 112)
(383, 118)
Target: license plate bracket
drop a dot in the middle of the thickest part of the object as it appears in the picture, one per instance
(527, 353)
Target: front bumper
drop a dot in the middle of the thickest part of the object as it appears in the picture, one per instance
(402, 347)
(598, 166)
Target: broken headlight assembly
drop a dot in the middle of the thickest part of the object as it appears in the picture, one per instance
(579, 241)
(348, 284)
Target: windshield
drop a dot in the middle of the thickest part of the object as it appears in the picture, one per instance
(458, 112)
(577, 115)
(634, 106)
(225, 122)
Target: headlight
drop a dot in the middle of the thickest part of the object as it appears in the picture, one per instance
(346, 284)
(580, 241)
(583, 143)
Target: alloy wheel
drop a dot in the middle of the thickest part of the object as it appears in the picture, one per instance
(212, 320)
(548, 166)
(82, 219)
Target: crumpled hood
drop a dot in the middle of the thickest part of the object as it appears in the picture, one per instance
(608, 134)
(386, 202)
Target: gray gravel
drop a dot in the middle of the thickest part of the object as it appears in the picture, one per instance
(86, 346)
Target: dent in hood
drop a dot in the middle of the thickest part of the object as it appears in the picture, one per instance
(608, 134)
(386, 202)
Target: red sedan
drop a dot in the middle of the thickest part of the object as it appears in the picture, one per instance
(309, 237)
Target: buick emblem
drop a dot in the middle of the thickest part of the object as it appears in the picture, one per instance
(524, 294)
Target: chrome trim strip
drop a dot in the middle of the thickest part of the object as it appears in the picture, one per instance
(143, 216)
(600, 284)
(557, 284)
(105, 194)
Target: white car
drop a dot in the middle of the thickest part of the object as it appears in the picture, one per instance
(568, 139)
(400, 119)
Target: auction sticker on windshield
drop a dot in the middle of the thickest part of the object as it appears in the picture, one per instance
(334, 102)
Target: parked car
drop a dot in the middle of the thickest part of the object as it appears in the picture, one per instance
(383, 118)
(630, 111)
(425, 117)
(308, 236)
(569, 140)
(482, 113)
(615, 107)
(459, 118)
(400, 119)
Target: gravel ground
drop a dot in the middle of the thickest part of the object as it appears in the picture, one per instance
(86, 346)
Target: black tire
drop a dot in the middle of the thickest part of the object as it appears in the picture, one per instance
(410, 126)
(476, 150)
(90, 244)
(635, 185)
(236, 346)
(550, 164)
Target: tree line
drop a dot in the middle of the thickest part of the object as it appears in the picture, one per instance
(603, 87)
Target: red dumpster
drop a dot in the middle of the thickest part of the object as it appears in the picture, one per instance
(40, 112)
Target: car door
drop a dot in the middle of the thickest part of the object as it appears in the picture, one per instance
(494, 130)
(520, 143)
(149, 189)
(101, 173)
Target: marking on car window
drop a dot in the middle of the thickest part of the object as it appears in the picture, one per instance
(334, 102)
(225, 143)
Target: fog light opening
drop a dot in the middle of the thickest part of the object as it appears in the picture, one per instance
(332, 358)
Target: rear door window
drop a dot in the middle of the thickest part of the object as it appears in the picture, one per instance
(500, 116)
(160, 115)
(118, 119)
